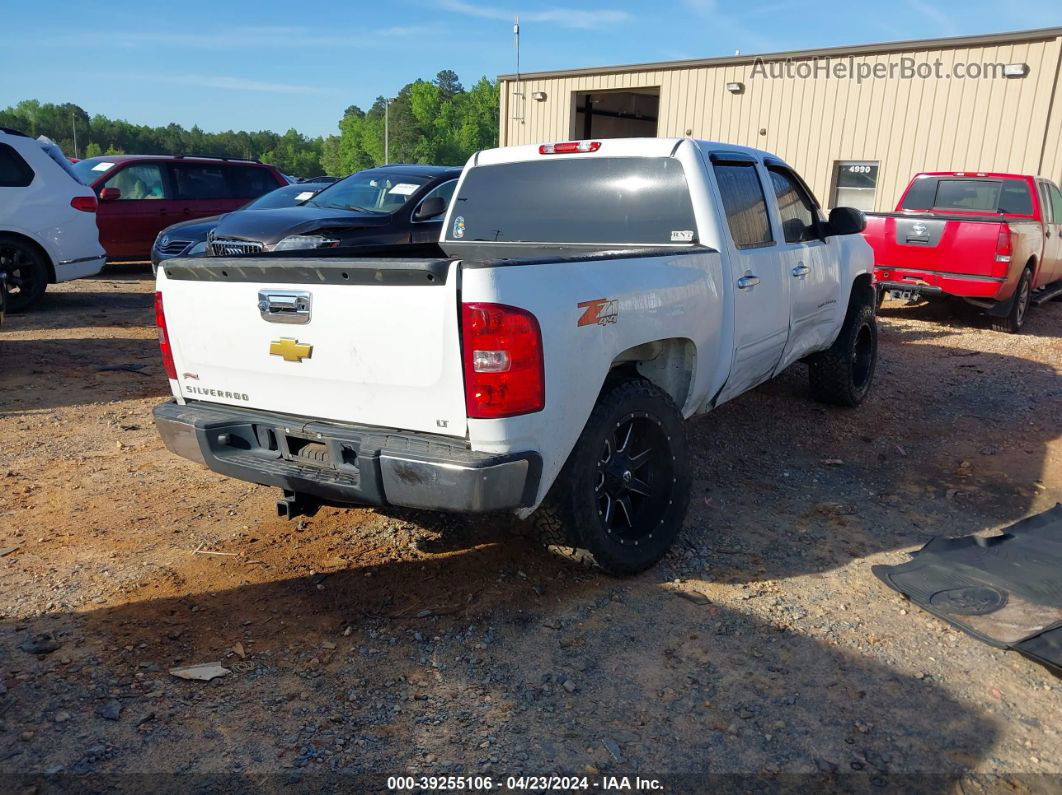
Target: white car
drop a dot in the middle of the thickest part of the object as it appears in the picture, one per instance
(585, 298)
(48, 230)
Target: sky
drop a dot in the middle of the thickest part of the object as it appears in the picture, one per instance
(262, 64)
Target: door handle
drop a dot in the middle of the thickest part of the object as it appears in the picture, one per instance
(285, 306)
(801, 270)
(748, 280)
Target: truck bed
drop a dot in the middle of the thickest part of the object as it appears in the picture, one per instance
(952, 253)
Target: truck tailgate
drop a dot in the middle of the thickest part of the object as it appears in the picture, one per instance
(941, 244)
(373, 343)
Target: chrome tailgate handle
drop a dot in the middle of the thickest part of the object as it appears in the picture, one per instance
(285, 306)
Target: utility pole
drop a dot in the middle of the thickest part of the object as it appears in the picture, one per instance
(518, 94)
(73, 123)
(387, 131)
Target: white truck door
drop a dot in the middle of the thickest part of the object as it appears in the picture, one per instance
(761, 294)
(811, 263)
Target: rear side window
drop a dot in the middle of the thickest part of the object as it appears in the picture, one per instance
(627, 200)
(1009, 196)
(744, 203)
(250, 181)
(798, 215)
(200, 182)
(140, 181)
(1056, 202)
(14, 171)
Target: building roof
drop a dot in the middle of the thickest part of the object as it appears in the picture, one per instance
(1041, 34)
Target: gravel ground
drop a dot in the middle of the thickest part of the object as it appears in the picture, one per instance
(371, 643)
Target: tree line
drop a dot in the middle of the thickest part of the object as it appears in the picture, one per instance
(436, 121)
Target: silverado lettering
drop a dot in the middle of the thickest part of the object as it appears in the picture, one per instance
(199, 390)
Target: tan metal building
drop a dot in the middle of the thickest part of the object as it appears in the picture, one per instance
(974, 103)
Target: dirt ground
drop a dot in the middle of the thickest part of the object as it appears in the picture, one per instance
(370, 643)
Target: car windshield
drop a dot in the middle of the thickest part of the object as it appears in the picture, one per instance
(88, 171)
(373, 191)
(288, 196)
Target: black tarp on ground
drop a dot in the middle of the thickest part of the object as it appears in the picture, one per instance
(1005, 590)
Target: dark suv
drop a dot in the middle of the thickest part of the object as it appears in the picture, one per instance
(140, 195)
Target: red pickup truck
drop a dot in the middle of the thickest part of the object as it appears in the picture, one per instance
(994, 240)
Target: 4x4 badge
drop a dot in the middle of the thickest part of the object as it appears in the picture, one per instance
(601, 311)
(290, 349)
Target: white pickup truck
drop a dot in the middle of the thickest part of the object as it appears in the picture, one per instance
(584, 299)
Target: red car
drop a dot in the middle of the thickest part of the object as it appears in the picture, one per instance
(994, 240)
(140, 195)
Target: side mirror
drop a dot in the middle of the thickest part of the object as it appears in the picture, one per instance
(846, 221)
(110, 194)
(430, 208)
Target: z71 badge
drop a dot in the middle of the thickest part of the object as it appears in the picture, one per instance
(600, 311)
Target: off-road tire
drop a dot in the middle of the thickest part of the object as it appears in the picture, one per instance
(842, 375)
(27, 273)
(571, 521)
(1014, 320)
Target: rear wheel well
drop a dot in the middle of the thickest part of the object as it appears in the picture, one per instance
(668, 364)
(36, 247)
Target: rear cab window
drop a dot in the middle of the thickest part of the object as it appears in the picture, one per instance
(973, 195)
(599, 200)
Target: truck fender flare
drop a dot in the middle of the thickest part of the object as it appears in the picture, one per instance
(1002, 308)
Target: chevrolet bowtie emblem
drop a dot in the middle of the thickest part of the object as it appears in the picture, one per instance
(291, 350)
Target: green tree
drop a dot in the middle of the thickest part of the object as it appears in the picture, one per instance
(436, 121)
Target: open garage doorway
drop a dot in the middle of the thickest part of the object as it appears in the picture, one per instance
(616, 114)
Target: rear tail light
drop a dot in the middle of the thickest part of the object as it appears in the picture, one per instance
(569, 148)
(164, 340)
(1004, 247)
(502, 351)
(87, 204)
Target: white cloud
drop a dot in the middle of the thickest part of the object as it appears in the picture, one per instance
(568, 18)
(240, 37)
(224, 82)
(742, 36)
(945, 24)
(242, 84)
